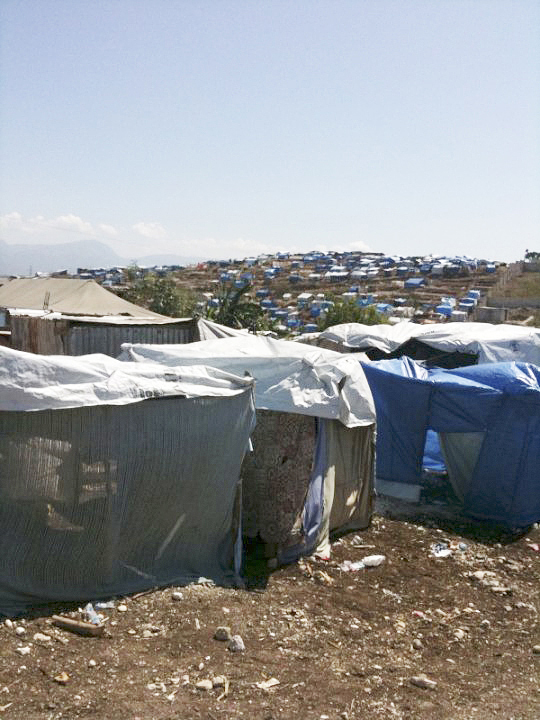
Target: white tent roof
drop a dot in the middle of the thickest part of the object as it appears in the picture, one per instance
(289, 377)
(70, 296)
(492, 343)
(44, 382)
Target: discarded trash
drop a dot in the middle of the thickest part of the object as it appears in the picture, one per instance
(349, 566)
(323, 577)
(91, 614)
(204, 685)
(77, 626)
(267, 684)
(373, 560)
(534, 546)
(219, 681)
(102, 605)
(62, 678)
(205, 581)
(441, 550)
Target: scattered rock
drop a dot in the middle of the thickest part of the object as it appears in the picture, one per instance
(536, 650)
(122, 608)
(422, 681)
(267, 684)
(40, 637)
(147, 633)
(204, 685)
(177, 595)
(460, 634)
(23, 650)
(417, 644)
(92, 663)
(219, 681)
(236, 644)
(223, 634)
(20, 630)
(8, 623)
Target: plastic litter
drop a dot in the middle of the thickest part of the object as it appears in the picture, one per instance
(373, 560)
(102, 605)
(441, 550)
(349, 566)
(91, 614)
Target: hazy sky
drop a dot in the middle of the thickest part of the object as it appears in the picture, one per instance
(231, 128)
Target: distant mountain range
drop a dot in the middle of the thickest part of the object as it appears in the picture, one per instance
(30, 259)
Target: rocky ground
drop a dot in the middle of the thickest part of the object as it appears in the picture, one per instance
(446, 627)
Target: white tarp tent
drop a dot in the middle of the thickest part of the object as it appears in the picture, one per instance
(116, 477)
(491, 343)
(312, 468)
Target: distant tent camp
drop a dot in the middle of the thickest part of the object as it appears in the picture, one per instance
(442, 344)
(116, 477)
(487, 420)
(312, 467)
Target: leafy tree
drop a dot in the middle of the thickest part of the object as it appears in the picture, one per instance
(347, 311)
(159, 294)
(235, 310)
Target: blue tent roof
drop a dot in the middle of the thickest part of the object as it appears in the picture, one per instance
(500, 400)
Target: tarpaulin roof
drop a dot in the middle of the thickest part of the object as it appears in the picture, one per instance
(43, 382)
(289, 377)
(70, 296)
(492, 343)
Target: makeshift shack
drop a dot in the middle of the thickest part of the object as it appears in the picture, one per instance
(487, 421)
(312, 466)
(62, 316)
(116, 477)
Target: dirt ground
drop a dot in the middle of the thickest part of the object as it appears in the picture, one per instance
(341, 644)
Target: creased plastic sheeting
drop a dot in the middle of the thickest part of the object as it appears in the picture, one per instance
(491, 343)
(289, 377)
(109, 500)
(35, 382)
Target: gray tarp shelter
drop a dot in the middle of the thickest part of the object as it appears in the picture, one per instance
(312, 467)
(116, 478)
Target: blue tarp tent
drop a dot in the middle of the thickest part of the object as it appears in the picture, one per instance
(487, 418)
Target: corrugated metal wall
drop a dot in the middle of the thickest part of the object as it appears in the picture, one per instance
(66, 337)
(107, 339)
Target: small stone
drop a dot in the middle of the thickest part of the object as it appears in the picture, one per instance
(422, 681)
(8, 623)
(236, 644)
(204, 685)
(147, 633)
(536, 650)
(40, 637)
(460, 634)
(122, 608)
(131, 631)
(219, 681)
(92, 663)
(177, 595)
(223, 634)
(20, 630)
(23, 650)
(417, 644)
